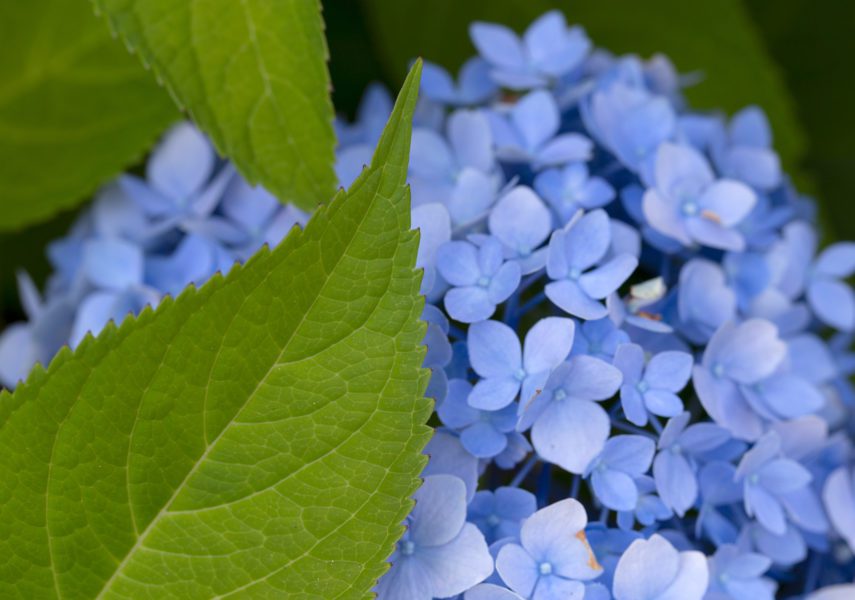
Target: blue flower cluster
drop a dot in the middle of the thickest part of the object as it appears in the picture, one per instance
(640, 357)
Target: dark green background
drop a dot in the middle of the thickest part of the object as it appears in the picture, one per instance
(811, 43)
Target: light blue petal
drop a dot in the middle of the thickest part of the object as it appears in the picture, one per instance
(458, 565)
(494, 349)
(536, 118)
(675, 481)
(494, 393)
(470, 137)
(631, 454)
(112, 264)
(439, 511)
(669, 371)
(570, 433)
(482, 440)
(614, 489)
(606, 279)
(497, 44)
(504, 282)
(181, 163)
(520, 221)
(547, 344)
(766, 509)
(833, 302)
(587, 240)
(457, 262)
(646, 569)
(663, 403)
(568, 296)
(455, 411)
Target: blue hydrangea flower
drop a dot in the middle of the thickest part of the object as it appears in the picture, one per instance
(568, 427)
(675, 467)
(522, 223)
(834, 592)
(449, 457)
(480, 277)
(179, 189)
(474, 84)
(630, 122)
(718, 491)
(599, 338)
(506, 369)
(529, 133)
(737, 355)
(652, 387)
(743, 150)
(484, 433)
(648, 509)
(578, 284)
(553, 557)
(704, 300)
(613, 472)
(547, 51)
(572, 188)
(434, 225)
(688, 204)
(458, 170)
(766, 476)
(440, 554)
(654, 570)
(500, 514)
(839, 499)
(738, 575)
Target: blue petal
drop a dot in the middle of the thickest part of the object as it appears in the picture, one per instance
(517, 569)
(604, 280)
(470, 137)
(112, 264)
(587, 240)
(494, 393)
(469, 304)
(494, 349)
(833, 302)
(457, 262)
(631, 454)
(504, 282)
(458, 565)
(646, 570)
(497, 44)
(669, 371)
(675, 481)
(547, 344)
(568, 296)
(614, 489)
(482, 440)
(181, 163)
(766, 509)
(439, 512)
(455, 411)
(520, 221)
(570, 433)
(536, 118)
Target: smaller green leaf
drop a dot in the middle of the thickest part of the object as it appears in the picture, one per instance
(253, 75)
(259, 437)
(75, 108)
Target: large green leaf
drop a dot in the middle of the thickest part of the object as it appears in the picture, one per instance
(253, 75)
(75, 108)
(713, 37)
(258, 437)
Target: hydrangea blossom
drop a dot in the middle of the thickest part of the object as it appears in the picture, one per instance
(589, 242)
(441, 554)
(553, 557)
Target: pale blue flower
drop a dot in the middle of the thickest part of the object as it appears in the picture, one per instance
(654, 570)
(614, 470)
(572, 188)
(500, 514)
(547, 51)
(553, 557)
(474, 84)
(480, 277)
(651, 387)
(440, 554)
(689, 204)
(506, 369)
(569, 427)
(578, 281)
(529, 133)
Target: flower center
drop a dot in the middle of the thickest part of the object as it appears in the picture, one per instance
(483, 281)
(519, 374)
(493, 520)
(718, 370)
(407, 548)
(545, 568)
(574, 273)
(690, 208)
(559, 395)
(642, 386)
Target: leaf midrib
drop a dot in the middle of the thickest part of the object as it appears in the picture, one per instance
(202, 459)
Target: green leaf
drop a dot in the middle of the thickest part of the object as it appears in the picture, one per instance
(253, 75)
(713, 37)
(811, 42)
(75, 108)
(259, 437)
